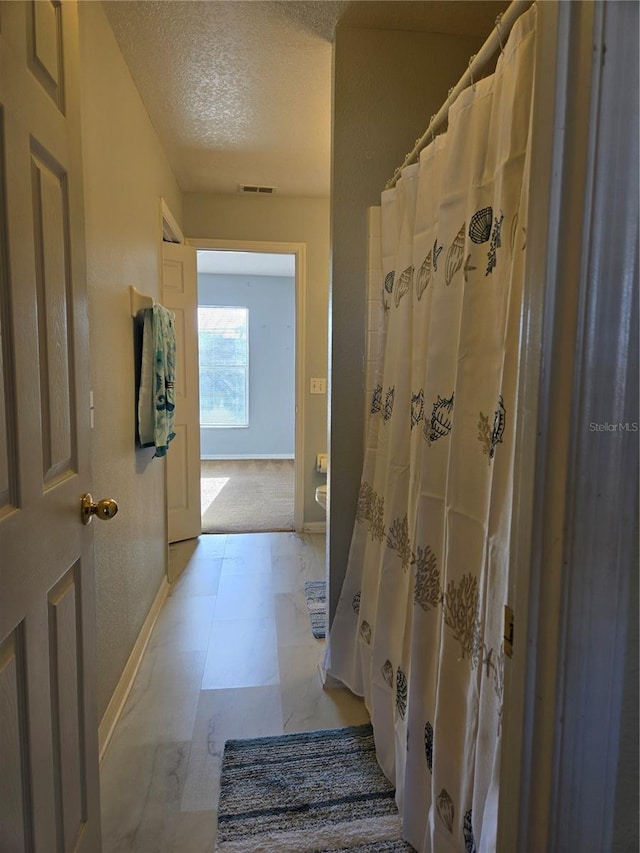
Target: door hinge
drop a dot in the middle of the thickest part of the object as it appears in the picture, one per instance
(508, 631)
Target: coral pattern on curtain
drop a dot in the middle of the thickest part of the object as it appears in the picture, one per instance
(418, 630)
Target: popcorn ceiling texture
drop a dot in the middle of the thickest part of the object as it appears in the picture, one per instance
(223, 80)
(239, 92)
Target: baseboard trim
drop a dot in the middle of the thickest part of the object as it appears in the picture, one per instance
(124, 685)
(231, 457)
(314, 527)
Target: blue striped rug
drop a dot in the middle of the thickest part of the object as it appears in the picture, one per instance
(315, 593)
(311, 792)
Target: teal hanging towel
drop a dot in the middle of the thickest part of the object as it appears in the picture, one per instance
(156, 402)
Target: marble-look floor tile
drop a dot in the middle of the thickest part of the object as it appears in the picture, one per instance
(316, 544)
(163, 700)
(184, 623)
(242, 653)
(207, 677)
(211, 545)
(254, 562)
(290, 571)
(284, 542)
(306, 706)
(245, 597)
(200, 577)
(290, 544)
(293, 624)
(141, 792)
(247, 543)
(195, 832)
(230, 714)
(191, 551)
(224, 715)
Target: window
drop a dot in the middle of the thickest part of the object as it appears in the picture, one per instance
(223, 337)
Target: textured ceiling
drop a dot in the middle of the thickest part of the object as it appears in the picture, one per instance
(239, 91)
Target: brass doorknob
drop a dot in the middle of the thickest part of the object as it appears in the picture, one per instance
(104, 509)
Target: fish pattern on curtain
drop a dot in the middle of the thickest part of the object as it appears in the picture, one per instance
(419, 625)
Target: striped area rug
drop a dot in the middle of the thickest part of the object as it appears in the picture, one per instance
(311, 792)
(315, 593)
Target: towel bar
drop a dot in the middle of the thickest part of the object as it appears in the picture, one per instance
(139, 301)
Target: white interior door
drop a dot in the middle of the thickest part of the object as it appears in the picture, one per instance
(48, 730)
(180, 295)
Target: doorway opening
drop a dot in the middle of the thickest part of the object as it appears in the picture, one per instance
(247, 331)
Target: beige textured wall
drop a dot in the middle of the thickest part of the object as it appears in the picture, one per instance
(125, 174)
(289, 220)
(387, 83)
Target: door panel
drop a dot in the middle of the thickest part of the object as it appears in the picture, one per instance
(45, 48)
(178, 485)
(51, 235)
(8, 473)
(48, 730)
(180, 294)
(65, 654)
(14, 779)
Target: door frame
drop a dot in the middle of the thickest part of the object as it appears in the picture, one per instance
(170, 231)
(299, 250)
(564, 686)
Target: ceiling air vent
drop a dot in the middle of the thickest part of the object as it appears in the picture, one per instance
(252, 190)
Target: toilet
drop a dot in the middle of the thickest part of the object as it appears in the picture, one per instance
(321, 496)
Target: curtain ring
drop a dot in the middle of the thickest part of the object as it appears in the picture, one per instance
(498, 22)
(414, 151)
(471, 59)
(433, 139)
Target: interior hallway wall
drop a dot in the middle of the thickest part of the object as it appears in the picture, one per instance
(386, 85)
(289, 220)
(125, 175)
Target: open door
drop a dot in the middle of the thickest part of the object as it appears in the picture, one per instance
(180, 295)
(49, 794)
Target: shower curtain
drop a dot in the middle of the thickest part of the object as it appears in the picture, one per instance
(418, 630)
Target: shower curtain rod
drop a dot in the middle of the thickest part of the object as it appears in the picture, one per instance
(495, 41)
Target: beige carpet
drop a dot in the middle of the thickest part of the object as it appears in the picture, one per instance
(247, 495)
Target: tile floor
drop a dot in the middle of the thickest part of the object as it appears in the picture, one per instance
(231, 656)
